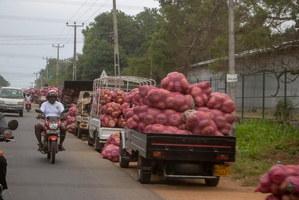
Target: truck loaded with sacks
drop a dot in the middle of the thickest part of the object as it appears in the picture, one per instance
(112, 97)
(178, 130)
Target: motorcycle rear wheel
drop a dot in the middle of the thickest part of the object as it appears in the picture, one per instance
(53, 145)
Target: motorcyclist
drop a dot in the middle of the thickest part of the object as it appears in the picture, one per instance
(6, 134)
(28, 97)
(50, 108)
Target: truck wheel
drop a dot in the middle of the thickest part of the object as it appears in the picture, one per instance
(97, 145)
(90, 141)
(79, 133)
(212, 182)
(144, 171)
(21, 113)
(123, 157)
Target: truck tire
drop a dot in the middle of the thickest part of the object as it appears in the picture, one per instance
(79, 132)
(21, 113)
(123, 162)
(212, 182)
(97, 145)
(90, 141)
(144, 171)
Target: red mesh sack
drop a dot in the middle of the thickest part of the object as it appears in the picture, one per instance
(221, 101)
(175, 82)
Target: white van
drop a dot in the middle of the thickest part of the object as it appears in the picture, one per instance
(12, 100)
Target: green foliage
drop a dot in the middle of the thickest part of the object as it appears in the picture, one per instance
(284, 110)
(260, 144)
(3, 82)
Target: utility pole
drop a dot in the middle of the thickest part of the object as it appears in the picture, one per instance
(232, 76)
(75, 44)
(47, 69)
(35, 78)
(57, 65)
(116, 50)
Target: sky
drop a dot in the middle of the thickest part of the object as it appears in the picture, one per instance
(32, 30)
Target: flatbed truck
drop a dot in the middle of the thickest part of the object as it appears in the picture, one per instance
(177, 155)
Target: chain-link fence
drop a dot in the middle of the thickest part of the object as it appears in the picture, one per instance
(263, 95)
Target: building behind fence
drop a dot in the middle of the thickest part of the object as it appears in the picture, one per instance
(261, 95)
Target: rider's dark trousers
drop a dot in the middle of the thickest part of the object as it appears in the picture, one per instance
(3, 166)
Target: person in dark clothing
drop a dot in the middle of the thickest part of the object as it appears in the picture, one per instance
(3, 167)
(6, 134)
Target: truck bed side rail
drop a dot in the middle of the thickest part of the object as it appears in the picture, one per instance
(182, 147)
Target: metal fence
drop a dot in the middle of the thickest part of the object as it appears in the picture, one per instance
(263, 95)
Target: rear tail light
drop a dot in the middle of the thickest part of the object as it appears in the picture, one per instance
(222, 157)
(158, 154)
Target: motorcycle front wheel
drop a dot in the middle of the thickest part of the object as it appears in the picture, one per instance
(52, 150)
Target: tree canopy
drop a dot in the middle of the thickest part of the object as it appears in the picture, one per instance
(179, 34)
(3, 82)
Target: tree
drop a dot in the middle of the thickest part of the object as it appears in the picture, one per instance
(197, 31)
(98, 50)
(186, 34)
(3, 82)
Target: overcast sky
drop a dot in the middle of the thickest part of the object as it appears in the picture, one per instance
(29, 28)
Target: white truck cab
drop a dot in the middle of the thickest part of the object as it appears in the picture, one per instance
(83, 112)
(12, 100)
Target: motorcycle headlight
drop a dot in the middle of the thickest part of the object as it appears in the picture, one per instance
(53, 126)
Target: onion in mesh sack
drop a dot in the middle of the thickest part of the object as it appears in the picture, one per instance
(159, 128)
(175, 82)
(221, 101)
(164, 99)
(201, 92)
(201, 123)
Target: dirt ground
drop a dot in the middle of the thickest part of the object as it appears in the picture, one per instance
(195, 189)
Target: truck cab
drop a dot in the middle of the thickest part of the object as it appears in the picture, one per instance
(83, 112)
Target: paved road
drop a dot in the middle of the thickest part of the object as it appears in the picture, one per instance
(78, 173)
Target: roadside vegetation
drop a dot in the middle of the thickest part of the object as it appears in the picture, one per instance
(260, 145)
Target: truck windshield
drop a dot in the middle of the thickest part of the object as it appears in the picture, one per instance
(11, 93)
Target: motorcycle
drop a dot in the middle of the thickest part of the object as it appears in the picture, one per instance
(6, 136)
(51, 135)
(28, 106)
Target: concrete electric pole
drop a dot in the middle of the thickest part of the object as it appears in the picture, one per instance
(57, 65)
(75, 44)
(116, 50)
(232, 76)
(35, 78)
(47, 69)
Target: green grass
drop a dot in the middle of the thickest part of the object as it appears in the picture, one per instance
(260, 145)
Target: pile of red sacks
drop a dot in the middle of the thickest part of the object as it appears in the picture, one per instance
(111, 148)
(71, 119)
(179, 107)
(282, 181)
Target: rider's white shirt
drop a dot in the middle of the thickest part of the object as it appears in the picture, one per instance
(54, 109)
(27, 98)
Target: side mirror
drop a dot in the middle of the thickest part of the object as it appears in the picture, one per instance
(13, 124)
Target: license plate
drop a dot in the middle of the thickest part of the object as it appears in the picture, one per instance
(10, 108)
(52, 131)
(221, 170)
